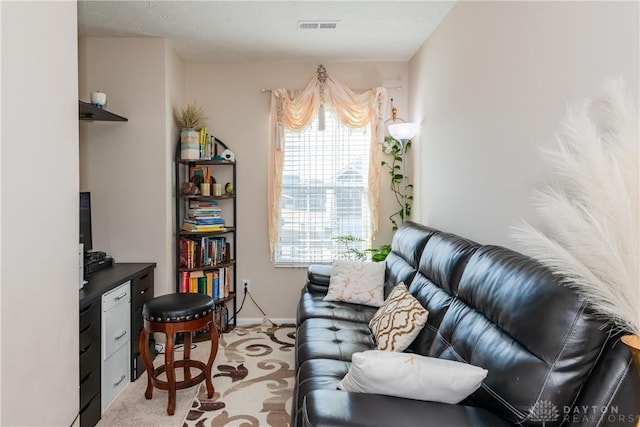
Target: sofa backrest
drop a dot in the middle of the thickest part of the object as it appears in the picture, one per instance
(436, 282)
(538, 341)
(406, 248)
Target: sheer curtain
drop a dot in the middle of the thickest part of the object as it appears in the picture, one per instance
(295, 113)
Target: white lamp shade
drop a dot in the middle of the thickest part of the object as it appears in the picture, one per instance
(403, 131)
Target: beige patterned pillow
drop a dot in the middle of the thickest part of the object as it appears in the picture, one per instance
(398, 321)
(357, 282)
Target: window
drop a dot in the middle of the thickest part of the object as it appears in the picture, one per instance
(324, 192)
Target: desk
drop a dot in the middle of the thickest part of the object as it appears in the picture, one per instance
(99, 283)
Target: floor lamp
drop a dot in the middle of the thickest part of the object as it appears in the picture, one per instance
(403, 132)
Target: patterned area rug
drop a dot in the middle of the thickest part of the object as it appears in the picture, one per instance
(254, 375)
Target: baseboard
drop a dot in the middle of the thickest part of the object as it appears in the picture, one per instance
(245, 321)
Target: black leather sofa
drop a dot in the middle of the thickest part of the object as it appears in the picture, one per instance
(550, 361)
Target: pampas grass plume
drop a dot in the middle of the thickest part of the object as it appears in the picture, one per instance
(192, 116)
(589, 211)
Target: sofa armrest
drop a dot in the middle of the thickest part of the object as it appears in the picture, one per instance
(318, 276)
(336, 408)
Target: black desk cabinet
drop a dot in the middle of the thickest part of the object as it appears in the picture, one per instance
(141, 292)
(100, 282)
(90, 326)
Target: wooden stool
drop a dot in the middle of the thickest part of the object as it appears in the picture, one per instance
(170, 314)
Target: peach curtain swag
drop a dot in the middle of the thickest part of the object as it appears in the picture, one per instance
(295, 113)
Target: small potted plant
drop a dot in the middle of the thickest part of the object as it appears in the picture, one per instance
(190, 120)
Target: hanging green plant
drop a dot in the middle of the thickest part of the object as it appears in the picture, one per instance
(393, 148)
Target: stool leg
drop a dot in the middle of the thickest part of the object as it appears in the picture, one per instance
(169, 370)
(187, 355)
(212, 356)
(143, 345)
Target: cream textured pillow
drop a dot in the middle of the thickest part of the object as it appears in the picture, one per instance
(411, 376)
(356, 282)
(398, 321)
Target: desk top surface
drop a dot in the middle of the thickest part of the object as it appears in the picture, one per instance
(104, 280)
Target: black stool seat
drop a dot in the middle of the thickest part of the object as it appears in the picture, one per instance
(177, 308)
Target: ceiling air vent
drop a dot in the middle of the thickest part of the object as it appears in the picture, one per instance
(317, 25)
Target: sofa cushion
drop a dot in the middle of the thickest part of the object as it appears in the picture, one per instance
(331, 339)
(319, 274)
(316, 374)
(411, 376)
(398, 321)
(337, 408)
(534, 336)
(311, 305)
(356, 282)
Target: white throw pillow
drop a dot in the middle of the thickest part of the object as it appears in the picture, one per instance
(357, 282)
(398, 321)
(411, 376)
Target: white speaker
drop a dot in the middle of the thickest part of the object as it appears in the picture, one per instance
(228, 155)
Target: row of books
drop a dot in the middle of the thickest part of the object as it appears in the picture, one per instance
(202, 251)
(203, 215)
(215, 283)
(208, 147)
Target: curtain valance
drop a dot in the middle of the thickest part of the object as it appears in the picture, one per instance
(295, 113)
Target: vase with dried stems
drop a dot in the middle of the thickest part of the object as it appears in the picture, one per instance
(190, 120)
(590, 223)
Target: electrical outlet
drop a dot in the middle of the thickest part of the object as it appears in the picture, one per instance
(246, 285)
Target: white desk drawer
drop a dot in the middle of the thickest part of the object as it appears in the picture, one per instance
(116, 321)
(115, 376)
(119, 295)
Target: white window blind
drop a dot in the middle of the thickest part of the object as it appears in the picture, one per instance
(324, 193)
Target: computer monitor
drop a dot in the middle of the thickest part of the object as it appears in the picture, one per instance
(85, 220)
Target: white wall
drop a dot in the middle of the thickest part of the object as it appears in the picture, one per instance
(127, 165)
(39, 223)
(491, 83)
(238, 114)
(174, 86)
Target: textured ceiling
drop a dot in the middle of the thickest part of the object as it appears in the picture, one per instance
(239, 31)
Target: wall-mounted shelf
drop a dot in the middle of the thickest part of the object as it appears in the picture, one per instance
(90, 113)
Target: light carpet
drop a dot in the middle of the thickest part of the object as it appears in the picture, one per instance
(253, 377)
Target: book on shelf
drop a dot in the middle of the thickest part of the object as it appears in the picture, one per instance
(199, 171)
(184, 282)
(203, 204)
(208, 148)
(204, 221)
(207, 144)
(194, 228)
(196, 212)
